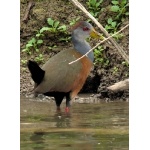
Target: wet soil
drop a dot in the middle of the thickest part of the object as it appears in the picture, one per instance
(64, 11)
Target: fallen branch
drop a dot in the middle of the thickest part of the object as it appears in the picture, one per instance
(120, 50)
(98, 45)
(119, 86)
(30, 5)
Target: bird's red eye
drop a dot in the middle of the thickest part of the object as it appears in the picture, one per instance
(85, 29)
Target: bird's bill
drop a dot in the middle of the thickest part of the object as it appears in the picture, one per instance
(95, 34)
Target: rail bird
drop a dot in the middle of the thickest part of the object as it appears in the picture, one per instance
(58, 78)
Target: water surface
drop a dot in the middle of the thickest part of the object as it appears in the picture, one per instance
(88, 126)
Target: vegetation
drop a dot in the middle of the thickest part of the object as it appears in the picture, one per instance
(100, 57)
(54, 27)
(118, 11)
(33, 45)
(73, 21)
(121, 8)
(94, 7)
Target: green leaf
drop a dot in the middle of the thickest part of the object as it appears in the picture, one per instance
(32, 41)
(115, 8)
(50, 47)
(123, 63)
(37, 50)
(109, 20)
(38, 35)
(24, 50)
(56, 24)
(96, 13)
(91, 13)
(107, 27)
(24, 61)
(63, 28)
(29, 52)
(44, 29)
(113, 24)
(123, 2)
(50, 21)
(40, 55)
(127, 13)
(88, 3)
(115, 2)
(101, 1)
(29, 45)
(39, 41)
(97, 5)
(93, 2)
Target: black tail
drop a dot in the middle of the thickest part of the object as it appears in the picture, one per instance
(37, 73)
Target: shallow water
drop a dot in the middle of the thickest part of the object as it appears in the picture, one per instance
(88, 126)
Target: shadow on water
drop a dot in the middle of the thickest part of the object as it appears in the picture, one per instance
(86, 127)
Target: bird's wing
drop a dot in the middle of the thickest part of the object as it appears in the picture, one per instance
(59, 75)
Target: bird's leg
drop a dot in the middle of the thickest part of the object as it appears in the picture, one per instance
(58, 109)
(58, 99)
(68, 98)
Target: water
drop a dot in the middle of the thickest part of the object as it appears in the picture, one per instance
(88, 126)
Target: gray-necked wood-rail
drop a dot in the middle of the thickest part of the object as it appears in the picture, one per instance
(57, 77)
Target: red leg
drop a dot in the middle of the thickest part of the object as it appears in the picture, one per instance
(67, 109)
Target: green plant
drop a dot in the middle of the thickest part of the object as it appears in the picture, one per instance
(51, 47)
(115, 70)
(73, 21)
(100, 57)
(23, 61)
(125, 63)
(118, 35)
(54, 27)
(121, 8)
(35, 42)
(94, 7)
(24, 69)
(120, 11)
(32, 45)
(65, 39)
(39, 58)
(112, 27)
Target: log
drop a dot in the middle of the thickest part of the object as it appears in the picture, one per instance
(119, 86)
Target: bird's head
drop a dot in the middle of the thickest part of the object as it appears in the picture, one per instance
(84, 29)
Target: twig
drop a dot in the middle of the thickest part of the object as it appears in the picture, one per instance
(30, 5)
(99, 44)
(120, 50)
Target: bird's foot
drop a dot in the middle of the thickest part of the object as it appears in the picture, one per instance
(67, 109)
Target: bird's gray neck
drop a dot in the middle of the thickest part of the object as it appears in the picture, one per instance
(82, 46)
